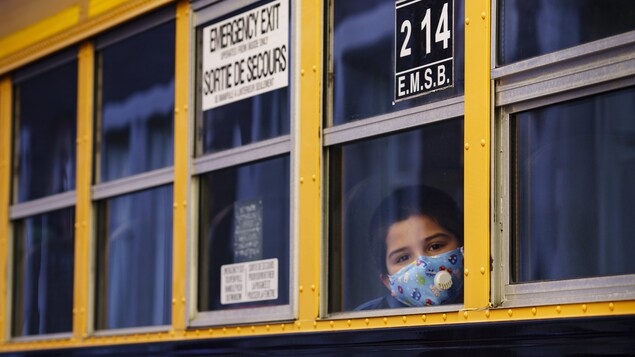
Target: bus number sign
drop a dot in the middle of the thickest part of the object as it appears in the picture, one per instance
(424, 47)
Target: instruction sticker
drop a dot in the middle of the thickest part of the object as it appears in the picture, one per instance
(246, 55)
(251, 281)
(247, 231)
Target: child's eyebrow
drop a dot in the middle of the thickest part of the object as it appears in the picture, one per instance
(437, 235)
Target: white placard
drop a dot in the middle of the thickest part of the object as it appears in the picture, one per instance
(246, 55)
(251, 281)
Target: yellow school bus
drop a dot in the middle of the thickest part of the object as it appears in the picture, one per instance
(323, 177)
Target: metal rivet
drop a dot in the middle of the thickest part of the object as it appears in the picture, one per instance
(312, 287)
(558, 309)
(301, 179)
(467, 20)
(467, 146)
(510, 312)
(483, 15)
(282, 326)
(465, 314)
(267, 327)
(445, 316)
(366, 321)
(298, 324)
(584, 307)
(313, 177)
(173, 301)
(176, 110)
(253, 328)
(185, 107)
(197, 332)
(301, 288)
(314, 324)
(467, 272)
(302, 72)
(611, 306)
(224, 330)
(349, 322)
(404, 319)
(483, 142)
(482, 270)
(184, 203)
(385, 320)
(533, 311)
(314, 68)
(176, 205)
(487, 313)
(331, 323)
(238, 329)
(183, 300)
(423, 318)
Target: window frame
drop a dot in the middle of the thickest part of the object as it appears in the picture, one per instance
(369, 128)
(587, 69)
(205, 12)
(23, 210)
(147, 180)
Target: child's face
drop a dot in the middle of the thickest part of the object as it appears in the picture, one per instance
(414, 237)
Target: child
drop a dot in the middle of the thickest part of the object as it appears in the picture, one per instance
(417, 235)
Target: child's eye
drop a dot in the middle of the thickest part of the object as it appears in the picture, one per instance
(435, 246)
(403, 258)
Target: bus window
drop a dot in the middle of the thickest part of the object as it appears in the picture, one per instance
(531, 28)
(394, 143)
(378, 184)
(364, 50)
(243, 165)
(574, 166)
(45, 117)
(133, 193)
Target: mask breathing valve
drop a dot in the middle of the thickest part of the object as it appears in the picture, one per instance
(443, 280)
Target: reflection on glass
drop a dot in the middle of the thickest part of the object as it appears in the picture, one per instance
(43, 274)
(362, 174)
(247, 121)
(244, 218)
(134, 280)
(531, 28)
(363, 60)
(574, 174)
(136, 103)
(46, 113)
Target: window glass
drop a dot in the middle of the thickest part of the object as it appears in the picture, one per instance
(378, 183)
(244, 236)
(43, 274)
(257, 56)
(46, 113)
(136, 103)
(574, 174)
(134, 260)
(363, 56)
(531, 28)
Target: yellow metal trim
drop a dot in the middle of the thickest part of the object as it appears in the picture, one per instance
(519, 315)
(181, 165)
(96, 7)
(82, 287)
(39, 31)
(477, 153)
(309, 151)
(83, 30)
(5, 184)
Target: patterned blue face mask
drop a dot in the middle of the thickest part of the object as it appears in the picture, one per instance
(430, 281)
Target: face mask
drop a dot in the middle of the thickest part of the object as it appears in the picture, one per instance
(430, 281)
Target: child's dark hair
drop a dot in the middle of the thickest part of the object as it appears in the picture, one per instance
(410, 201)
